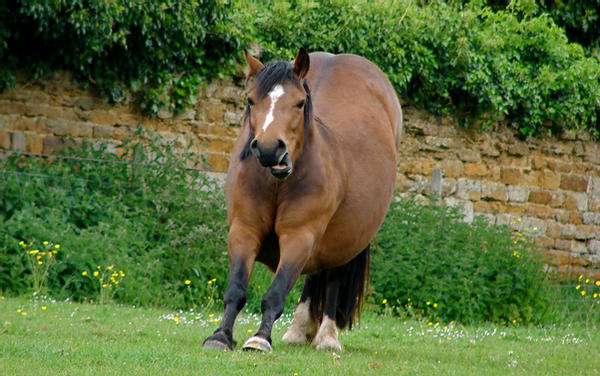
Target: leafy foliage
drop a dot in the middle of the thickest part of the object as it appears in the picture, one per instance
(159, 50)
(428, 262)
(466, 61)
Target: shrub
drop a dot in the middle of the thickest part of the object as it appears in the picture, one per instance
(468, 62)
(428, 262)
(143, 213)
(160, 50)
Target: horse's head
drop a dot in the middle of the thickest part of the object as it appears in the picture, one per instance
(279, 111)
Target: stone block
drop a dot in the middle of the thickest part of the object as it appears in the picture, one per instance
(550, 179)
(464, 187)
(540, 197)
(576, 201)
(103, 117)
(493, 192)
(35, 143)
(57, 127)
(593, 246)
(19, 141)
(584, 232)
(544, 242)
(593, 202)
(233, 118)
(537, 160)
(570, 182)
(475, 169)
(55, 143)
(574, 218)
(4, 139)
(465, 208)
(511, 176)
(558, 199)
(468, 155)
(217, 161)
(452, 168)
(558, 165)
(102, 131)
(591, 218)
(518, 149)
(517, 194)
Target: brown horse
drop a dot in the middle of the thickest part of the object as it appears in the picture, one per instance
(309, 183)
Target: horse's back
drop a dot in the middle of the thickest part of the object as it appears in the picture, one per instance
(348, 86)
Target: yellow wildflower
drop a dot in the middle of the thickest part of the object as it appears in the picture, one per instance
(110, 267)
(84, 273)
(34, 252)
(57, 246)
(40, 262)
(176, 319)
(384, 301)
(580, 277)
(583, 292)
(249, 330)
(44, 308)
(45, 242)
(96, 273)
(577, 287)
(434, 305)
(211, 315)
(597, 283)
(24, 313)
(187, 282)
(587, 280)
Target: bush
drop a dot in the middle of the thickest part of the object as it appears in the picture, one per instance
(160, 50)
(469, 62)
(430, 263)
(144, 213)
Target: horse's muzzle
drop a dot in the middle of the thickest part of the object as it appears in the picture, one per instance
(276, 157)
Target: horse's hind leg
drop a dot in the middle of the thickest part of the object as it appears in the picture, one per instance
(304, 326)
(327, 335)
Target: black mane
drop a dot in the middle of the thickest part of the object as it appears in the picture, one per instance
(273, 73)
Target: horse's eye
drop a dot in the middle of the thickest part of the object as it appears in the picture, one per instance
(250, 102)
(300, 104)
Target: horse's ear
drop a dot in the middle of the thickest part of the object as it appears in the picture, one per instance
(254, 65)
(301, 64)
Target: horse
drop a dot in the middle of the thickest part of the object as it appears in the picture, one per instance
(309, 183)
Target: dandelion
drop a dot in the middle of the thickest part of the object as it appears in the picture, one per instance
(211, 315)
(519, 219)
(121, 273)
(535, 229)
(434, 305)
(428, 302)
(110, 267)
(577, 287)
(57, 246)
(580, 277)
(40, 263)
(249, 330)
(595, 295)
(587, 280)
(430, 323)
(19, 310)
(597, 283)
(583, 292)
(187, 282)
(176, 319)
(22, 244)
(24, 313)
(96, 273)
(34, 252)
(84, 273)
(45, 242)
(384, 301)
(44, 308)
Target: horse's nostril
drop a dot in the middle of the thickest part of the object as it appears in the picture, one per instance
(254, 144)
(281, 145)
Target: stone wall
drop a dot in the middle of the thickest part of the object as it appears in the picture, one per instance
(549, 187)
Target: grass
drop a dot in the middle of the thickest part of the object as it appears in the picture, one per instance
(63, 338)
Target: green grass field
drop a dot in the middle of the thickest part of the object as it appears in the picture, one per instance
(39, 337)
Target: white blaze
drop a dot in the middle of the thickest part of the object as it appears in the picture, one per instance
(274, 94)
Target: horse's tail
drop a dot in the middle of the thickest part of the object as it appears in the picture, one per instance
(353, 279)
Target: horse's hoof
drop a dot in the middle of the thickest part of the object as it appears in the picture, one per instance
(294, 337)
(216, 344)
(256, 343)
(330, 345)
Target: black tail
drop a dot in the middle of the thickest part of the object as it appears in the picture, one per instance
(353, 279)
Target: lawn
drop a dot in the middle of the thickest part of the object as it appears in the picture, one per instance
(42, 337)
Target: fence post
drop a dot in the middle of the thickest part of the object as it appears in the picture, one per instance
(436, 184)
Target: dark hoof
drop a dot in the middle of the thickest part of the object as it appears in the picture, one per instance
(213, 344)
(257, 344)
(218, 341)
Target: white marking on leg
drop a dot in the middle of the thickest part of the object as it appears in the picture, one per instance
(274, 94)
(327, 336)
(303, 327)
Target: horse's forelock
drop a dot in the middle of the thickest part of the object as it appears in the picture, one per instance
(273, 73)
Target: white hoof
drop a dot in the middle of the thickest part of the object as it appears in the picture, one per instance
(257, 344)
(303, 327)
(327, 336)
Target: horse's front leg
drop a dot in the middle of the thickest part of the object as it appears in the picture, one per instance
(295, 249)
(243, 247)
